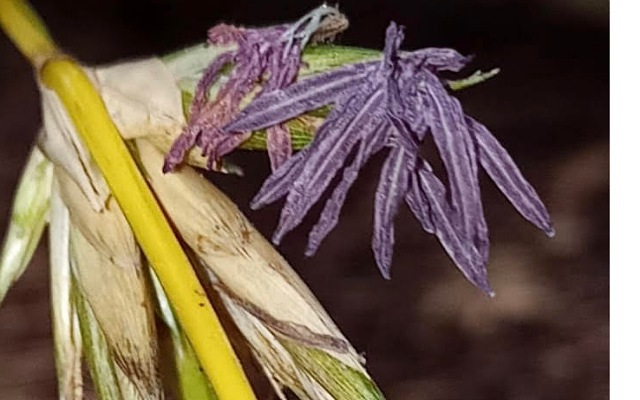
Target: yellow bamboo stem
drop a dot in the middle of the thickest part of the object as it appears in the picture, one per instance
(26, 29)
(152, 230)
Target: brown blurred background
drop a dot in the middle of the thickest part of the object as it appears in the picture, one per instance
(427, 333)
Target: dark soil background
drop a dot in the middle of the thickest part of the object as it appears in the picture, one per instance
(427, 333)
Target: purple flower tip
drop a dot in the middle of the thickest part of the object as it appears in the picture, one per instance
(393, 104)
(272, 54)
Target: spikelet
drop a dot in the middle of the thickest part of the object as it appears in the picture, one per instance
(291, 335)
(101, 296)
(27, 221)
(64, 313)
(107, 265)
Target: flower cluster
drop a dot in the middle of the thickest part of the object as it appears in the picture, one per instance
(271, 54)
(391, 104)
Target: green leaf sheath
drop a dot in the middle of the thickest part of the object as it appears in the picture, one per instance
(340, 380)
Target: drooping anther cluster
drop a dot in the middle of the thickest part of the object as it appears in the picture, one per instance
(392, 105)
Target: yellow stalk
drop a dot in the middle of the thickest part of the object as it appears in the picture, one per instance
(27, 31)
(152, 230)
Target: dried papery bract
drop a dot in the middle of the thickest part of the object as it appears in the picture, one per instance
(142, 96)
(64, 314)
(60, 143)
(107, 265)
(119, 300)
(29, 213)
(268, 301)
(97, 354)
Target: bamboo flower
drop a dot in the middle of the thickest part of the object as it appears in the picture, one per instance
(392, 104)
(104, 295)
(127, 238)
